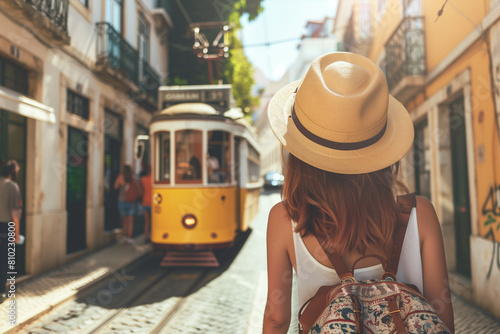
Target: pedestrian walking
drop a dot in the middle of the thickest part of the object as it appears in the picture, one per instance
(129, 193)
(10, 212)
(146, 184)
(345, 136)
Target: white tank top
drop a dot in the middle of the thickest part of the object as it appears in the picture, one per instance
(311, 275)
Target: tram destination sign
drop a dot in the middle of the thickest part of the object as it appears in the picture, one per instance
(218, 97)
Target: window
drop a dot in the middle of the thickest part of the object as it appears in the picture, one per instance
(114, 14)
(143, 38)
(253, 164)
(188, 156)
(13, 76)
(218, 157)
(85, 3)
(412, 8)
(77, 104)
(162, 174)
(112, 124)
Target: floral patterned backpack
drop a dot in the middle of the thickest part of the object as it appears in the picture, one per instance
(378, 306)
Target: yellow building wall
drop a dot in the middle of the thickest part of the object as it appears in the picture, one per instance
(458, 20)
(486, 140)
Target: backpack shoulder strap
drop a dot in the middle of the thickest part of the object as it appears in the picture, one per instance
(405, 204)
(336, 260)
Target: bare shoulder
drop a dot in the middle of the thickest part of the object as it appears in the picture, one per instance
(279, 220)
(278, 211)
(278, 216)
(425, 209)
(428, 222)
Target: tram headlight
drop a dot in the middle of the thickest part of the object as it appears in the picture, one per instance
(189, 221)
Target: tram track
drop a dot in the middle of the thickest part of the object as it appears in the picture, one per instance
(143, 297)
(157, 296)
(165, 297)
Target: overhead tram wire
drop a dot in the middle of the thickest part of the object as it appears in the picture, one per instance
(245, 46)
(184, 12)
(271, 43)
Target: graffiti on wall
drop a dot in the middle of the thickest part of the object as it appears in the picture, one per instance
(491, 211)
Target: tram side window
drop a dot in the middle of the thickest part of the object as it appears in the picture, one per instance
(218, 157)
(188, 156)
(253, 164)
(162, 174)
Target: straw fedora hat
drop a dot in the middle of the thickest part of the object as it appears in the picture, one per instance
(340, 116)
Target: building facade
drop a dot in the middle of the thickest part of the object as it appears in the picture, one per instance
(441, 60)
(78, 81)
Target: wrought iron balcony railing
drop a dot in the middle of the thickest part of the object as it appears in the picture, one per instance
(55, 10)
(115, 51)
(405, 53)
(150, 81)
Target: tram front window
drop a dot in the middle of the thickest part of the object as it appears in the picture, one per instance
(188, 156)
(162, 174)
(218, 157)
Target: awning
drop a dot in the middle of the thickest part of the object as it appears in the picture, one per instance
(22, 105)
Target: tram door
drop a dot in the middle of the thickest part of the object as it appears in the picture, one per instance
(237, 177)
(460, 185)
(76, 194)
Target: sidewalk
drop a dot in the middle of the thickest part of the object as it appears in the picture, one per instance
(40, 295)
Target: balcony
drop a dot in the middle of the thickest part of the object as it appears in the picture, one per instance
(150, 82)
(48, 17)
(358, 35)
(115, 56)
(405, 59)
(119, 63)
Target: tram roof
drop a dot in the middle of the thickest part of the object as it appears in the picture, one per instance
(190, 108)
(200, 111)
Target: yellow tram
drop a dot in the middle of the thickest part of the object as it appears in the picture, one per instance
(205, 174)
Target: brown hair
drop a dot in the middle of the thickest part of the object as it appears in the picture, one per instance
(348, 212)
(127, 173)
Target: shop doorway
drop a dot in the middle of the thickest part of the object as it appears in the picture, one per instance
(462, 219)
(422, 159)
(13, 146)
(112, 157)
(76, 190)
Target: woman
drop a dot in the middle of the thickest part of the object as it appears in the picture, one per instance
(345, 135)
(129, 193)
(11, 207)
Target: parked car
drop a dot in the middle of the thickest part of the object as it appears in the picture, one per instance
(273, 180)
